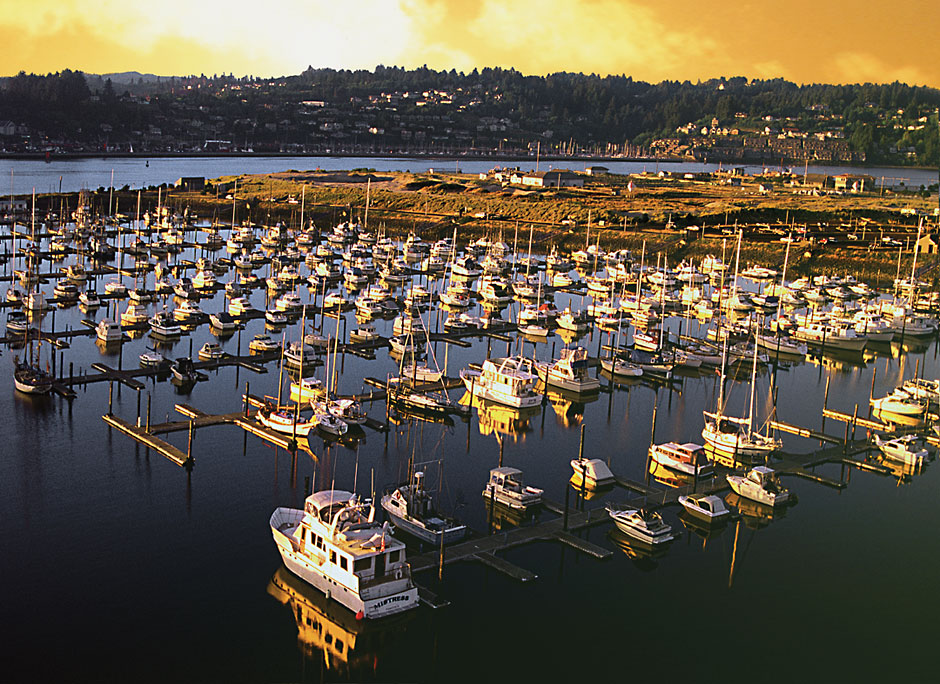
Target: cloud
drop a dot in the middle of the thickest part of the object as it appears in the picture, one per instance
(860, 67)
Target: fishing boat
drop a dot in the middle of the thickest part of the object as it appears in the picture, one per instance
(569, 372)
(689, 458)
(641, 524)
(306, 390)
(907, 449)
(364, 333)
(134, 313)
(336, 545)
(410, 508)
(89, 299)
(507, 380)
(705, 506)
(505, 486)
(592, 473)
(760, 484)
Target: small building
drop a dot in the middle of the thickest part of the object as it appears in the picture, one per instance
(191, 183)
(928, 244)
(596, 170)
(851, 182)
(20, 206)
(556, 178)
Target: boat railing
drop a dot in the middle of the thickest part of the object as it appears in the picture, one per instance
(368, 586)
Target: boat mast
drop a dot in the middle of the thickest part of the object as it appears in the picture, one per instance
(750, 413)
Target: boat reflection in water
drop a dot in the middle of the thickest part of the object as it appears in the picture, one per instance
(672, 478)
(569, 406)
(497, 419)
(501, 517)
(702, 528)
(904, 473)
(757, 515)
(644, 555)
(328, 631)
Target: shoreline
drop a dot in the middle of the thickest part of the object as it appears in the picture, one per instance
(67, 156)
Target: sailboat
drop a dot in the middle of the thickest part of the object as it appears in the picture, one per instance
(29, 376)
(734, 440)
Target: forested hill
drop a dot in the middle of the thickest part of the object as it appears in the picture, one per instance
(493, 110)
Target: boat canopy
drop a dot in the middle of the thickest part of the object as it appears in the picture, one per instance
(326, 499)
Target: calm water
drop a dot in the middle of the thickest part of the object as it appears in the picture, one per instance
(76, 174)
(118, 565)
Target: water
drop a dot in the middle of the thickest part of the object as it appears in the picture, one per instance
(73, 175)
(119, 565)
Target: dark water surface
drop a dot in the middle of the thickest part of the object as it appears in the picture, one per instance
(117, 565)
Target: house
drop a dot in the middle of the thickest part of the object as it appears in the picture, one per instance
(191, 183)
(928, 244)
(596, 170)
(556, 178)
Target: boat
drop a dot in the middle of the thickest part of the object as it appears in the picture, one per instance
(831, 335)
(30, 378)
(336, 545)
(307, 390)
(641, 524)
(188, 311)
(152, 359)
(705, 506)
(569, 372)
(760, 484)
(108, 331)
(134, 313)
(211, 351)
(900, 403)
(263, 343)
(688, 458)
(507, 380)
(162, 325)
(89, 299)
(222, 322)
(364, 333)
(592, 473)
(620, 368)
(183, 371)
(907, 449)
(240, 306)
(410, 508)
(505, 486)
(286, 420)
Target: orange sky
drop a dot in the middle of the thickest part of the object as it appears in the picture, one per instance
(802, 40)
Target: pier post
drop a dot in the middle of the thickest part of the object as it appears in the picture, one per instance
(567, 497)
(854, 421)
(871, 393)
(440, 567)
(247, 386)
(138, 408)
(110, 396)
(583, 469)
(149, 398)
(189, 445)
(71, 373)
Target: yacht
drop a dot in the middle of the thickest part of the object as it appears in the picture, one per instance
(732, 436)
(907, 449)
(286, 420)
(222, 322)
(162, 325)
(641, 524)
(364, 333)
(831, 335)
(263, 343)
(508, 380)
(240, 306)
(705, 506)
(89, 299)
(505, 486)
(336, 545)
(108, 331)
(761, 484)
(188, 311)
(134, 313)
(410, 508)
(688, 458)
(901, 403)
(211, 351)
(569, 372)
(184, 371)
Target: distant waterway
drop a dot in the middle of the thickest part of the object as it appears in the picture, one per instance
(72, 175)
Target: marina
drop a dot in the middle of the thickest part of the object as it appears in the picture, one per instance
(223, 441)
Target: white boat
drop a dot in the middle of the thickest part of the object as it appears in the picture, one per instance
(162, 325)
(705, 506)
(505, 486)
(591, 472)
(907, 449)
(417, 373)
(899, 402)
(285, 420)
(569, 372)
(108, 331)
(364, 333)
(336, 545)
(831, 335)
(619, 368)
(134, 313)
(410, 508)
(240, 306)
(211, 351)
(688, 458)
(152, 359)
(734, 437)
(222, 322)
(761, 484)
(641, 524)
(507, 380)
(263, 343)
(89, 299)
(188, 311)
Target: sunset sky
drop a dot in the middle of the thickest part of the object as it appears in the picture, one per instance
(806, 41)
